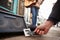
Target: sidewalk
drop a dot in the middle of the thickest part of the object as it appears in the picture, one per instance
(53, 34)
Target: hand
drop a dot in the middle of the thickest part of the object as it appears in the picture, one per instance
(37, 5)
(43, 28)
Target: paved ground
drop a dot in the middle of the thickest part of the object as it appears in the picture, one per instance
(53, 34)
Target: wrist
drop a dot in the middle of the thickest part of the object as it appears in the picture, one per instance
(50, 23)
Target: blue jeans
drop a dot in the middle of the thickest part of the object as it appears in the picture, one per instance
(34, 11)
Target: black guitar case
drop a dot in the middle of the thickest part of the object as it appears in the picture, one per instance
(11, 23)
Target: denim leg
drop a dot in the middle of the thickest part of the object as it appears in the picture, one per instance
(34, 11)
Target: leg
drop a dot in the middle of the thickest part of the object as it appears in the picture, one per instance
(34, 11)
(27, 15)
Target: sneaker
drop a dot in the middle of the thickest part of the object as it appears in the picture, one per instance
(32, 27)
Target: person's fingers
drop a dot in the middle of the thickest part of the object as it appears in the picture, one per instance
(36, 30)
(42, 32)
(46, 30)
